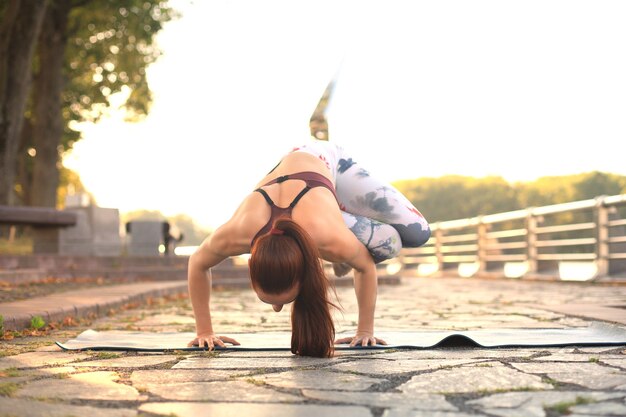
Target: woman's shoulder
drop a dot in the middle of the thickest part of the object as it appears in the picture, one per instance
(229, 240)
(234, 236)
(329, 232)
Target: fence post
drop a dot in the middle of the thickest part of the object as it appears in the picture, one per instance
(531, 241)
(438, 244)
(482, 245)
(602, 236)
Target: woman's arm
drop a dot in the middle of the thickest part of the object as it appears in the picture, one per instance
(354, 253)
(207, 256)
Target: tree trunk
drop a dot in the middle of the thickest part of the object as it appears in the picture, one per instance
(47, 117)
(24, 170)
(19, 31)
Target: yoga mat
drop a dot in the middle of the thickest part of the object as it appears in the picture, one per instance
(597, 334)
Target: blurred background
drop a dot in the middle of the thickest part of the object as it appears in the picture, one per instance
(175, 109)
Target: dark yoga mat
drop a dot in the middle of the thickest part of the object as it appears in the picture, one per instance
(597, 334)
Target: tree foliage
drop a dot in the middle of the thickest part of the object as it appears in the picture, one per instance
(455, 197)
(69, 184)
(110, 43)
(87, 51)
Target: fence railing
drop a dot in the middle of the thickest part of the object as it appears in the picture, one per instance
(581, 240)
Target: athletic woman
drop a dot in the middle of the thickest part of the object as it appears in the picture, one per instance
(317, 203)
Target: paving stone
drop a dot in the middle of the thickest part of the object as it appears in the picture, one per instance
(29, 374)
(145, 378)
(589, 375)
(49, 348)
(532, 403)
(613, 361)
(409, 412)
(38, 359)
(319, 379)
(249, 363)
(600, 349)
(484, 377)
(386, 367)
(447, 303)
(221, 391)
(255, 354)
(191, 409)
(460, 353)
(577, 357)
(517, 399)
(287, 354)
(601, 409)
(135, 361)
(165, 320)
(31, 408)
(383, 399)
(87, 386)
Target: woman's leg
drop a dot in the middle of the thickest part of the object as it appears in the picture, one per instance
(382, 240)
(368, 198)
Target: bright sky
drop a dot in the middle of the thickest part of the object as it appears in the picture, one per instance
(520, 89)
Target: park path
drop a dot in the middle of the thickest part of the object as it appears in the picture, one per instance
(38, 379)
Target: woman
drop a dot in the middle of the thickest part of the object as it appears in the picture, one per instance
(316, 203)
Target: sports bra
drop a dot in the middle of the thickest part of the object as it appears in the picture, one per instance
(311, 179)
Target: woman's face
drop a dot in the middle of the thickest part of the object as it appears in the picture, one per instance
(278, 300)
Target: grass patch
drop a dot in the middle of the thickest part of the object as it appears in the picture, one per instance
(10, 373)
(37, 322)
(7, 389)
(256, 382)
(19, 246)
(483, 392)
(551, 381)
(594, 360)
(563, 408)
(106, 355)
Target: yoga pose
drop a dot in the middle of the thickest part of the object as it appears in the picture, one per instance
(317, 203)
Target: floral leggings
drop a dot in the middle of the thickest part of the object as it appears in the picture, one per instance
(381, 217)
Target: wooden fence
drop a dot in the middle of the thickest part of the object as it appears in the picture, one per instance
(581, 240)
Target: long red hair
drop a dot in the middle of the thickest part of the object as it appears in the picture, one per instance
(279, 261)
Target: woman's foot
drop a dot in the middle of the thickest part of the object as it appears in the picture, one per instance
(341, 269)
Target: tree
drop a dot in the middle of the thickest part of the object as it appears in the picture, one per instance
(20, 25)
(597, 183)
(69, 184)
(455, 197)
(87, 51)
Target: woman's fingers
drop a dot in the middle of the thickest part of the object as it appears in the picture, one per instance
(361, 341)
(230, 340)
(343, 340)
(211, 342)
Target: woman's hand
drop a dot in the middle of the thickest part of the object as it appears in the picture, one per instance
(210, 340)
(361, 339)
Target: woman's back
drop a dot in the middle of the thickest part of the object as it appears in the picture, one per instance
(317, 211)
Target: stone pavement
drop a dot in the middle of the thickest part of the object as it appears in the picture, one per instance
(95, 301)
(37, 379)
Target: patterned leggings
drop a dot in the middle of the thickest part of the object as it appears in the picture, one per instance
(381, 217)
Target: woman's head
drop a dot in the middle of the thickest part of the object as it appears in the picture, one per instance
(285, 267)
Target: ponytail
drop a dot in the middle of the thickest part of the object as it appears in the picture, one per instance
(280, 260)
